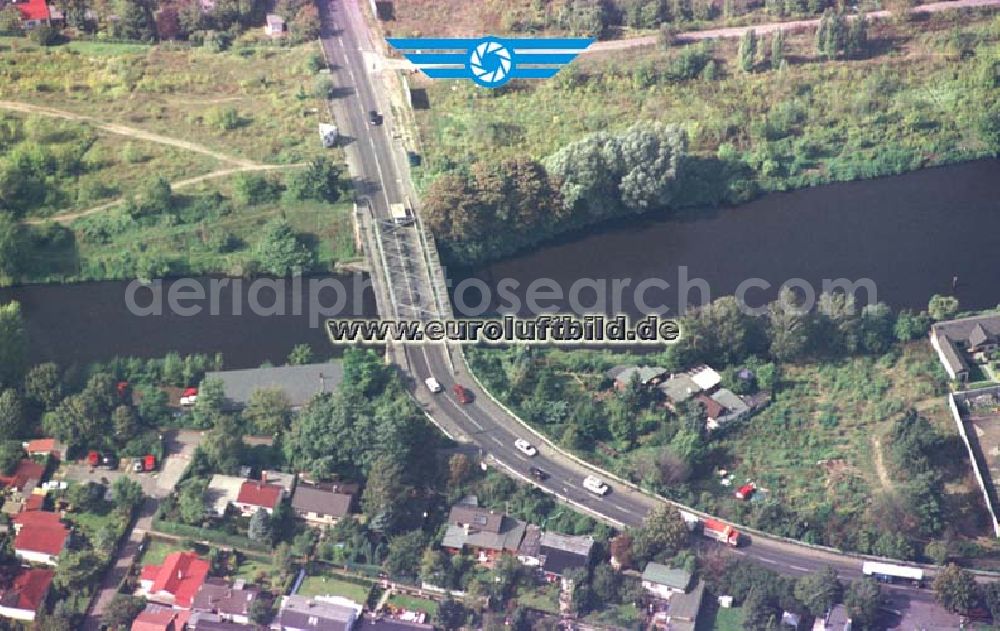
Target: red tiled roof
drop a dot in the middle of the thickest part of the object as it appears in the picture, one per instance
(181, 574)
(156, 620)
(35, 502)
(713, 409)
(37, 519)
(259, 494)
(41, 446)
(22, 588)
(40, 531)
(149, 572)
(26, 470)
(33, 10)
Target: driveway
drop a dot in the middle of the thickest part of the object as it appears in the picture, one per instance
(178, 445)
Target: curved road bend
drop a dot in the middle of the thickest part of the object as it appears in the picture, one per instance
(375, 168)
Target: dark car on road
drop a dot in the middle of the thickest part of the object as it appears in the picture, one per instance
(464, 396)
(374, 117)
(538, 474)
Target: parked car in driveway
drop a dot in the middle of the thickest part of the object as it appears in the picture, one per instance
(462, 394)
(525, 447)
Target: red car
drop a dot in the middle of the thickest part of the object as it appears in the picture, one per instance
(464, 396)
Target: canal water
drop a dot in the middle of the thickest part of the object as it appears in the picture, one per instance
(250, 323)
(911, 235)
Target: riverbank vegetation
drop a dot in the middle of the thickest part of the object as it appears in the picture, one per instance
(852, 104)
(856, 449)
(254, 224)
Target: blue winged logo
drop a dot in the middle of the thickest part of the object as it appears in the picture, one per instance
(490, 61)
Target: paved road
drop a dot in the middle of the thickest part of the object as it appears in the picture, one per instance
(379, 170)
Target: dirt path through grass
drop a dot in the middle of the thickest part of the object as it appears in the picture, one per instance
(124, 130)
(68, 217)
(883, 473)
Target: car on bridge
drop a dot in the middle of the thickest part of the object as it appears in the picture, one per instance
(433, 385)
(595, 485)
(462, 394)
(525, 447)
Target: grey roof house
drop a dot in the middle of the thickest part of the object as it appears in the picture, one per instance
(322, 613)
(682, 613)
(679, 388)
(321, 506)
(484, 532)
(957, 340)
(299, 383)
(232, 603)
(663, 581)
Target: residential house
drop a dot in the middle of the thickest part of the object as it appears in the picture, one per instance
(390, 624)
(483, 532)
(201, 621)
(678, 389)
(299, 383)
(713, 409)
(33, 12)
(322, 613)
(158, 618)
(663, 582)
(734, 408)
(682, 612)
(44, 447)
(222, 491)
(274, 25)
(25, 477)
(553, 553)
(40, 537)
(320, 506)
(176, 581)
(705, 377)
(623, 376)
(229, 602)
(956, 341)
(836, 619)
(22, 591)
(285, 480)
(257, 494)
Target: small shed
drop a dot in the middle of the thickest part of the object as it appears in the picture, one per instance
(274, 25)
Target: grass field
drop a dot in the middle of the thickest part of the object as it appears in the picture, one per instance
(820, 441)
(158, 549)
(328, 586)
(911, 103)
(727, 620)
(92, 167)
(542, 598)
(178, 91)
(411, 603)
(617, 616)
